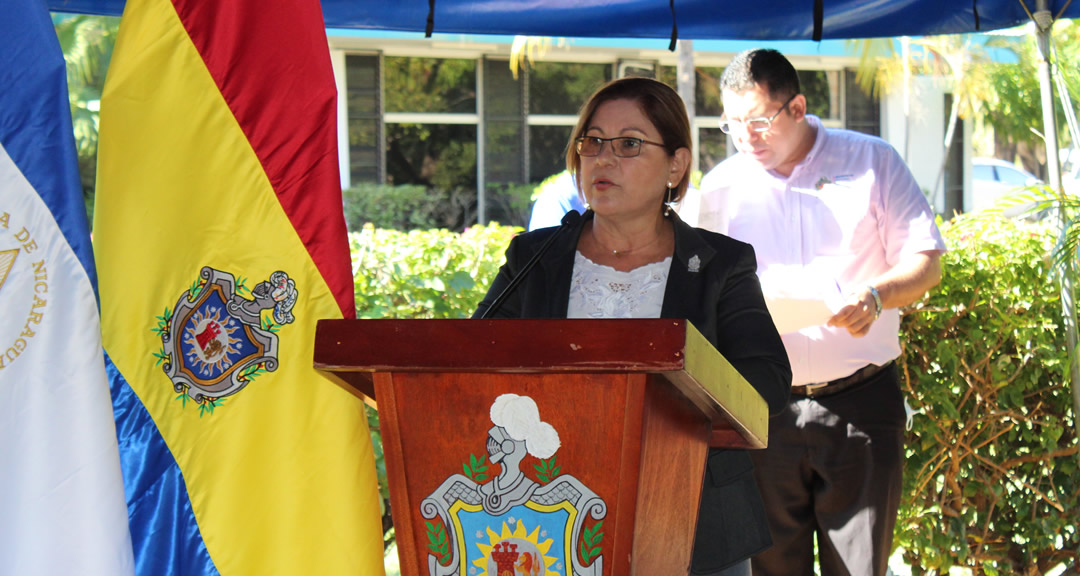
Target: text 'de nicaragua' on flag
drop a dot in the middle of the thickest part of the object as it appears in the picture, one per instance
(61, 494)
(220, 240)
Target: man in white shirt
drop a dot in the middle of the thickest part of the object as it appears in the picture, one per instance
(835, 217)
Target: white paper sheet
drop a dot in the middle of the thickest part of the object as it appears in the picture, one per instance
(813, 306)
(794, 314)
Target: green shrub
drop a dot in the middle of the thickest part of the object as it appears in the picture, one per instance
(510, 204)
(991, 474)
(425, 273)
(416, 207)
(407, 207)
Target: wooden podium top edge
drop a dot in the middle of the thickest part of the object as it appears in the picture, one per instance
(607, 345)
(354, 349)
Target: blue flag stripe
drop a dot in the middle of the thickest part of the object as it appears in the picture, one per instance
(42, 151)
(156, 492)
(62, 508)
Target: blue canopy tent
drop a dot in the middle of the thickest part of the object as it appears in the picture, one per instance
(690, 19)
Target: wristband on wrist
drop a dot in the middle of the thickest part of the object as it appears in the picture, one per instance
(877, 301)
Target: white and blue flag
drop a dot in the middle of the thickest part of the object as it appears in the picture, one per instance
(62, 507)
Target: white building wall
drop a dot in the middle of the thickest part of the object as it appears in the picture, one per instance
(925, 146)
(337, 60)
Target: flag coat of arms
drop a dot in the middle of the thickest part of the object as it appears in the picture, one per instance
(62, 506)
(220, 239)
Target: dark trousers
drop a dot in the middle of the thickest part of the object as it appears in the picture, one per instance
(834, 467)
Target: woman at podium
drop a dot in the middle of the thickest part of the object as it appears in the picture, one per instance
(630, 256)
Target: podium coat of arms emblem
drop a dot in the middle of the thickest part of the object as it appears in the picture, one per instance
(511, 524)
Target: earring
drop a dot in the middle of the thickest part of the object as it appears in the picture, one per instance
(668, 203)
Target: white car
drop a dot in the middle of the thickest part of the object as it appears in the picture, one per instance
(1070, 180)
(993, 179)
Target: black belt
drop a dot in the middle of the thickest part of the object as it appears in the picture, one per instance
(840, 384)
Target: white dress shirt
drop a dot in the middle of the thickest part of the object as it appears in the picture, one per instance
(847, 214)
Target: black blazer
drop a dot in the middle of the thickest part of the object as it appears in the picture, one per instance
(712, 283)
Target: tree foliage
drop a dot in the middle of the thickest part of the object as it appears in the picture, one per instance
(995, 82)
(991, 477)
(87, 44)
(1018, 107)
(955, 58)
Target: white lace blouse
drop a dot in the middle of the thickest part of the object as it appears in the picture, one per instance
(599, 291)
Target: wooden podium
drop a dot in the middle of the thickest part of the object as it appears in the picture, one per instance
(538, 447)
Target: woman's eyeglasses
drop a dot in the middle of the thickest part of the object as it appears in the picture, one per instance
(622, 146)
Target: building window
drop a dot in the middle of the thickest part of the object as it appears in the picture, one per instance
(563, 87)
(431, 131)
(822, 91)
(954, 164)
(504, 126)
(506, 199)
(707, 101)
(547, 151)
(712, 148)
(556, 92)
(362, 89)
(441, 157)
(862, 112)
(708, 108)
(430, 85)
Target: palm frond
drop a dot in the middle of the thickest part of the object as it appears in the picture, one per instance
(526, 49)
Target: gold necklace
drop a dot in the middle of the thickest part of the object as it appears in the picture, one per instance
(618, 253)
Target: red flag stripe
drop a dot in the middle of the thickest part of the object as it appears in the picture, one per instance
(279, 86)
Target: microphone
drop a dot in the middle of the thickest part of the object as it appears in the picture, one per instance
(570, 219)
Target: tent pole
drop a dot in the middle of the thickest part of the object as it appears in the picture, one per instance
(1044, 22)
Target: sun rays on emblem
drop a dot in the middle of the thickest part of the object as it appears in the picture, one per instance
(515, 553)
(7, 262)
(211, 347)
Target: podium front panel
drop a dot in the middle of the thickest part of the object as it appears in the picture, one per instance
(539, 473)
(469, 412)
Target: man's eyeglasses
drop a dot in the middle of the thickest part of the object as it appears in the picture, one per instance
(622, 146)
(758, 125)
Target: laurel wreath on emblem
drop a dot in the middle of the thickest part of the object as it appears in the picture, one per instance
(221, 336)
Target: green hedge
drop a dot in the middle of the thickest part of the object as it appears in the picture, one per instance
(425, 273)
(407, 207)
(991, 475)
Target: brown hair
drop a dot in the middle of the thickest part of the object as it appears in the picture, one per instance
(660, 104)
